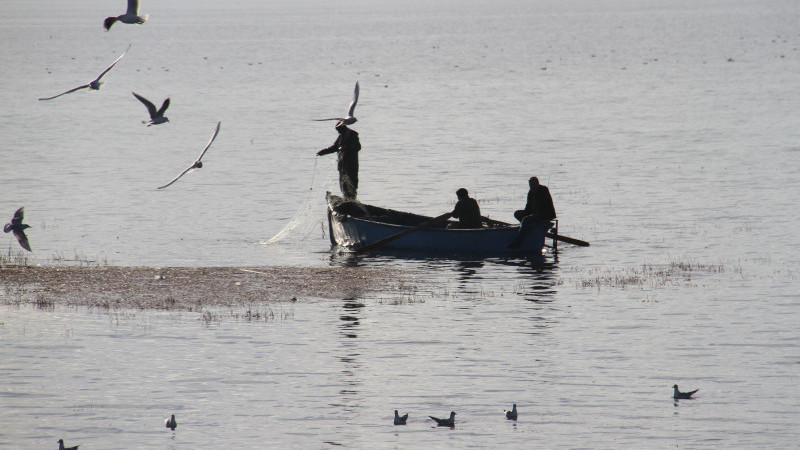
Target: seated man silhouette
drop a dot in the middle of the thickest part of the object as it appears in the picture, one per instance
(466, 211)
(539, 207)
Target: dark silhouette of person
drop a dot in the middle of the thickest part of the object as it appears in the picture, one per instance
(466, 211)
(539, 204)
(539, 207)
(347, 146)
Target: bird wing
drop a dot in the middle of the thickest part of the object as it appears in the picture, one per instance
(133, 7)
(352, 107)
(23, 240)
(332, 118)
(163, 108)
(112, 64)
(189, 169)
(67, 92)
(209, 142)
(18, 216)
(151, 108)
(177, 177)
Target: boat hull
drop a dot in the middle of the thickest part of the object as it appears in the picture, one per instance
(354, 226)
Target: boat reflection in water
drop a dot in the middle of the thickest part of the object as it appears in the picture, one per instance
(531, 277)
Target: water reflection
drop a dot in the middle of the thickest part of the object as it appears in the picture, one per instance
(349, 327)
(345, 259)
(468, 269)
(534, 277)
(537, 279)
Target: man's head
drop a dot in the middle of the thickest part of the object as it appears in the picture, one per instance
(341, 127)
(462, 194)
(533, 182)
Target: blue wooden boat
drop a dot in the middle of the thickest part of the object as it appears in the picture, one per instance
(357, 226)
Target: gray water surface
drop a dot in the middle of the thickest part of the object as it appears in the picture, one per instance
(667, 132)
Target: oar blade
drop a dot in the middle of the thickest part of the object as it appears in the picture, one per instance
(568, 240)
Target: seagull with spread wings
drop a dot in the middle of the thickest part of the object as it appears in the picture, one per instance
(94, 84)
(349, 119)
(18, 228)
(156, 116)
(197, 164)
(130, 16)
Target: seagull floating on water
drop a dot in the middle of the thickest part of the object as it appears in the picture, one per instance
(678, 394)
(93, 85)
(400, 420)
(197, 164)
(349, 119)
(130, 16)
(512, 415)
(61, 446)
(18, 228)
(451, 422)
(171, 423)
(156, 116)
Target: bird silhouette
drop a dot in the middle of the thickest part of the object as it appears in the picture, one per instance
(450, 422)
(171, 423)
(156, 116)
(18, 228)
(61, 446)
(349, 119)
(512, 415)
(94, 84)
(400, 420)
(130, 16)
(197, 164)
(679, 395)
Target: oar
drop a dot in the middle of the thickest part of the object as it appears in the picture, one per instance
(568, 240)
(426, 224)
(558, 237)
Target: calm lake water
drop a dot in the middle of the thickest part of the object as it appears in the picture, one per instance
(668, 134)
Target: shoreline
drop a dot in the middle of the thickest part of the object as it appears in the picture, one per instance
(189, 288)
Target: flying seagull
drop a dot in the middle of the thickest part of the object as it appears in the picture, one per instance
(61, 446)
(130, 16)
(512, 415)
(349, 119)
(18, 228)
(678, 394)
(451, 422)
(197, 164)
(400, 420)
(156, 117)
(171, 423)
(96, 83)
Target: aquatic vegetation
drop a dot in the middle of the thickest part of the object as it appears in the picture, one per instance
(13, 258)
(677, 273)
(42, 302)
(194, 289)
